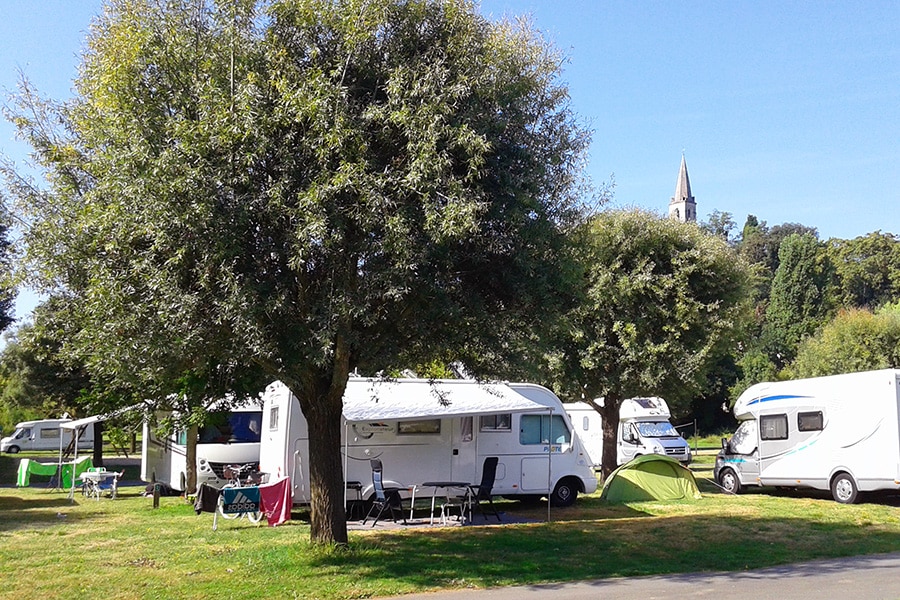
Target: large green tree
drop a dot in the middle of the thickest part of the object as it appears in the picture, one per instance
(37, 379)
(867, 269)
(303, 186)
(855, 340)
(800, 300)
(7, 279)
(661, 302)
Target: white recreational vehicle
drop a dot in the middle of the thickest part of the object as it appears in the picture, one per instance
(45, 434)
(229, 437)
(837, 433)
(426, 430)
(644, 428)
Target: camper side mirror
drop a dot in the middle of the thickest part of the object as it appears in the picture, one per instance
(725, 444)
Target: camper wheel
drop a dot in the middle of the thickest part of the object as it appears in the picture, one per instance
(565, 493)
(728, 479)
(843, 489)
(13, 450)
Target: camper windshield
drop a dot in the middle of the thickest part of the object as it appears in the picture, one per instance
(656, 429)
(744, 439)
(232, 428)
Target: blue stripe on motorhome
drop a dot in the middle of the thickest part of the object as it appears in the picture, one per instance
(790, 451)
(774, 398)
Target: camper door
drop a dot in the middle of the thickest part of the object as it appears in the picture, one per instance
(540, 435)
(464, 455)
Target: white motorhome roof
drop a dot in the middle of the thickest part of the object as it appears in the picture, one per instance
(378, 399)
(792, 391)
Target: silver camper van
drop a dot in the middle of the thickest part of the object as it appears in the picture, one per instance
(45, 434)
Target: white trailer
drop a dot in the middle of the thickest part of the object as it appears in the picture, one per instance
(644, 428)
(837, 433)
(427, 430)
(230, 437)
(45, 434)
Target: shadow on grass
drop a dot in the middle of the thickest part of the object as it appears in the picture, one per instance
(584, 550)
(26, 513)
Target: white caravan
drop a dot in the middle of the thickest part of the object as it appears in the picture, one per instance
(45, 434)
(427, 430)
(644, 428)
(837, 433)
(230, 437)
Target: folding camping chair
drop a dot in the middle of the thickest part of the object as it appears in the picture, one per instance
(482, 492)
(385, 498)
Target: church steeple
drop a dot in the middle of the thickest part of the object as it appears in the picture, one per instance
(682, 206)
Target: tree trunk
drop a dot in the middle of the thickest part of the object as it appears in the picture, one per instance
(191, 460)
(322, 407)
(610, 414)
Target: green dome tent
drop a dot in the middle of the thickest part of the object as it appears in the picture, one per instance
(650, 477)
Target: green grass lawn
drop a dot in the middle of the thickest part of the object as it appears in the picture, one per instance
(124, 548)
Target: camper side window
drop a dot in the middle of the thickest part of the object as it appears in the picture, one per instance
(540, 429)
(48, 434)
(773, 427)
(273, 418)
(810, 421)
(501, 422)
(466, 425)
(417, 427)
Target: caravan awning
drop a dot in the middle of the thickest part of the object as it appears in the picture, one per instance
(377, 399)
(95, 418)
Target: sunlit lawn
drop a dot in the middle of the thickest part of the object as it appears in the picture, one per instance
(124, 548)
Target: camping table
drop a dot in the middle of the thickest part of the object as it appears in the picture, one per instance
(95, 480)
(446, 486)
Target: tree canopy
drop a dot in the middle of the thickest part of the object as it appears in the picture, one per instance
(301, 188)
(660, 302)
(855, 340)
(867, 269)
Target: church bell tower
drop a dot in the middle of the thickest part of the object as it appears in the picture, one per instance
(682, 206)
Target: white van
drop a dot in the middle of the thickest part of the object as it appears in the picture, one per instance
(837, 433)
(230, 437)
(432, 430)
(45, 434)
(644, 428)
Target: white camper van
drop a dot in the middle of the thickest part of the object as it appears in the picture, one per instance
(45, 435)
(837, 433)
(644, 428)
(436, 430)
(230, 437)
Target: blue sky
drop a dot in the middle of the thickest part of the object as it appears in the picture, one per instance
(789, 111)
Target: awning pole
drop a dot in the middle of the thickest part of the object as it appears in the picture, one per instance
(59, 484)
(74, 462)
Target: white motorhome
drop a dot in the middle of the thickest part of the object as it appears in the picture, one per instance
(229, 437)
(644, 428)
(427, 430)
(45, 434)
(837, 433)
